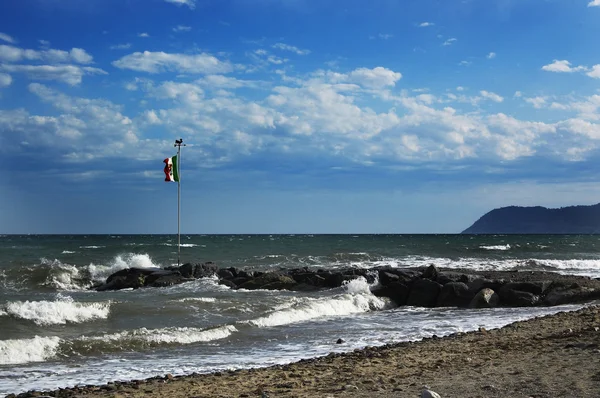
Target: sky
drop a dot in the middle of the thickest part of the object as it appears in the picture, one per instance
(299, 116)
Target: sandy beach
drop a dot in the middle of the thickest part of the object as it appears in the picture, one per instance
(552, 356)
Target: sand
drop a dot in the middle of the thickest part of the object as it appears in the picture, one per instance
(552, 356)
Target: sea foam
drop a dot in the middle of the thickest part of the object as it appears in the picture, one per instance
(100, 272)
(174, 335)
(309, 309)
(58, 312)
(37, 349)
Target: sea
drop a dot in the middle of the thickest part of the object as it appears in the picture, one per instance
(55, 332)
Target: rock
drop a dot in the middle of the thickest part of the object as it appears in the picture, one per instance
(570, 295)
(424, 293)
(396, 291)
(269, 280)
(225, 274)
(187, 270)
(481, 283)
(536, 288)
(431, 272)
(485, 298)
(228, 283)
(385, 278)
(426, 393)
(517, 298)
(454, 294)
(340, 341)
(205, 270)
(169, 280)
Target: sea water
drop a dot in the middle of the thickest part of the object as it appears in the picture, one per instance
(55, 332)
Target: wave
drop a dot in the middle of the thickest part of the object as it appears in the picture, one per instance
(357, 300)
(495, 247)
(59, 312)
(182, 245)
(91, 247)
(144, 338)
(21, 351)
(200, 299)
(99, 272)
(68, 252)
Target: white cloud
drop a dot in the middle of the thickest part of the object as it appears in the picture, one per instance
(143, 34)
(595, 71)
(518, 94)
(7, 38)
(124, 46)
(563, 66)
(491, 55)
(460, 88)
(376, 78)
(594, 3)
(449, 42)
(69, 74)
(5, 80)
(385, 36)
(426, 24)
(157, 62)
(182, 28)
(537, 102)
(190, 3)
(465, 63)
(15, 54)
(287, 47)
(491, 96)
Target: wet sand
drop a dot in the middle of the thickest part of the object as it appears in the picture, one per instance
(552, 356)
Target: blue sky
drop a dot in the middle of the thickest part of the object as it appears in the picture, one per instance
(301, 116)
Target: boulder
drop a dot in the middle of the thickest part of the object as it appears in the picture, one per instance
(169, 280)
(269, 280)
(537, 288)
(396, 291)
(517, 298)
(205, 270)
(431, 272)
(385, 278)
(485, 298)
(423, 293)
(572, 294)
(454, 294)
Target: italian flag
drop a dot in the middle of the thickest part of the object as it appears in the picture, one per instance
(171, 172)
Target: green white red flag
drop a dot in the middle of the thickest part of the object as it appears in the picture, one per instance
(171, 171)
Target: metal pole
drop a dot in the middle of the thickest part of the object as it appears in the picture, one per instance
(178, 144)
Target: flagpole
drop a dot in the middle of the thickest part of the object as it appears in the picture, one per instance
(178, 144)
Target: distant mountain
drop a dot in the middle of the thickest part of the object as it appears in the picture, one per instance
(539, 220)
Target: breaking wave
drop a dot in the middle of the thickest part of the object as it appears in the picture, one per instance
(20, 351)
(59, 312)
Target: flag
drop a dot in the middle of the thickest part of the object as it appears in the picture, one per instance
(171, 172)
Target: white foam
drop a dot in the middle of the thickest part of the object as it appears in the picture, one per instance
(309, 309)
(37, 349)
(67, 252)
(179, 335)
(63, 276)
(91, 247)
(57, 312)
(182, 245)
(200, 299)
(496, 247)
(100, 272)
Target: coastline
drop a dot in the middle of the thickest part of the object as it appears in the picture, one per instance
(551, 356)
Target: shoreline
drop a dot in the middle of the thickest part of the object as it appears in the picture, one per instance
(551, 356)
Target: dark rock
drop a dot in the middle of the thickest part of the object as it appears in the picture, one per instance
(385, 278)
(396, 291)
(169, 280)
(424, 293)
(340, 341)
(517, 298)
(483, 283)
(153, 277)
(537, 288)
(431, 272)
(205, 270)
(269, 280)
(187, 270)
(225, 274)
(485, 298)
(309, 278)
(228, 283)
(454, 294)
(571, 295)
